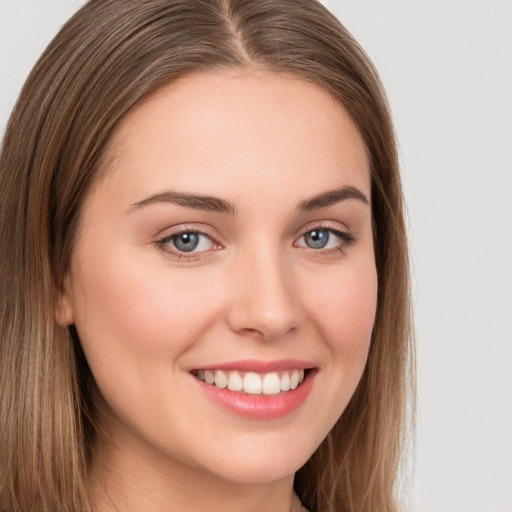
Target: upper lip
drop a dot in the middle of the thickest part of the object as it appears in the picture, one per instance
(259, 366)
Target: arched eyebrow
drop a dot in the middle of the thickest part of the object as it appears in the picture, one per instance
(215, 204)
(207, 203)
(332, 197)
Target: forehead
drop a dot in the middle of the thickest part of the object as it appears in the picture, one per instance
(230, 129)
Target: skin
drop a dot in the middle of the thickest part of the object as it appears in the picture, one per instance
(146, 314)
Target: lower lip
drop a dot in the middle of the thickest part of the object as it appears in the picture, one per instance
(261, 407)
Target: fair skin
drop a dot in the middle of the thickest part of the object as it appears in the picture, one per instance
(274, 275)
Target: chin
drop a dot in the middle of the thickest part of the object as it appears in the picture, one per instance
(260, 464)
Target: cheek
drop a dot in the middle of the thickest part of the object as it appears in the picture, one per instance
(345, 311)
(135, 322)
(135, 311)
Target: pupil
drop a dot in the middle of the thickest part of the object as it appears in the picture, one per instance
(186, 242)
(316, 239)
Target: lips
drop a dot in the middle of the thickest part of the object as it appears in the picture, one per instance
(257, 390)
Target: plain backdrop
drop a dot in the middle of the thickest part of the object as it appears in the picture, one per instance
(447, 67)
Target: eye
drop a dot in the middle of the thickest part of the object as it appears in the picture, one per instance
(318, 238)
(187, 242)
(325, 239)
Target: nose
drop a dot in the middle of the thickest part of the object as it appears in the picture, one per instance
(263, 302)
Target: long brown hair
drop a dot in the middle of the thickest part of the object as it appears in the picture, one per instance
(108, 57)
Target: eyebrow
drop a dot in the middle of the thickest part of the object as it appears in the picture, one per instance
(207, 203)
(215, 204)
(332, 197)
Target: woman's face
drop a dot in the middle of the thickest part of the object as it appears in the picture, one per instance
(230, 239)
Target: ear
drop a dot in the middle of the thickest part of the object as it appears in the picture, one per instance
(64, 308)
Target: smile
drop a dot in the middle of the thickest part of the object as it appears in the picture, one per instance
(252, 383)
(257, 390)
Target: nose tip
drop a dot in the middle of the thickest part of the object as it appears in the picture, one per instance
(263, 302)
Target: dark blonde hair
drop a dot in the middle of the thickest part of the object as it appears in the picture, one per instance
(108, 57)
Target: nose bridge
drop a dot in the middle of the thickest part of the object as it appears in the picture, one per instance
(263, 301)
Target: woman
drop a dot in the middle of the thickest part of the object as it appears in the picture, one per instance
(204, 251)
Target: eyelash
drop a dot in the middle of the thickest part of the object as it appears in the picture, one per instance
(347, 240)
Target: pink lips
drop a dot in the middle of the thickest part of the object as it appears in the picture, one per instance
(260, 407)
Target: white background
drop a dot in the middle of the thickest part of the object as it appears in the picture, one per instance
(447, 67)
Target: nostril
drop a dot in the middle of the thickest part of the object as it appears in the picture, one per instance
(258, 320)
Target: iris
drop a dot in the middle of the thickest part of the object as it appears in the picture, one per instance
(317, 239)
(186, 242)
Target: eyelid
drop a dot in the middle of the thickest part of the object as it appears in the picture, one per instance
(322, 224)
(202, 229)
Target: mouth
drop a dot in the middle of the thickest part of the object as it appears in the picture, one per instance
(253, 383)
(257, 390)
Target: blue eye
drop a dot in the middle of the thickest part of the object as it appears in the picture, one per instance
(317, 239)
(323, 238)
(188, 242)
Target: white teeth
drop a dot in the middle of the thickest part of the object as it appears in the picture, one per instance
(221, 381)
(285, 382)
(271, 384)
(294, 379)
(253, 383)
(235, 382)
